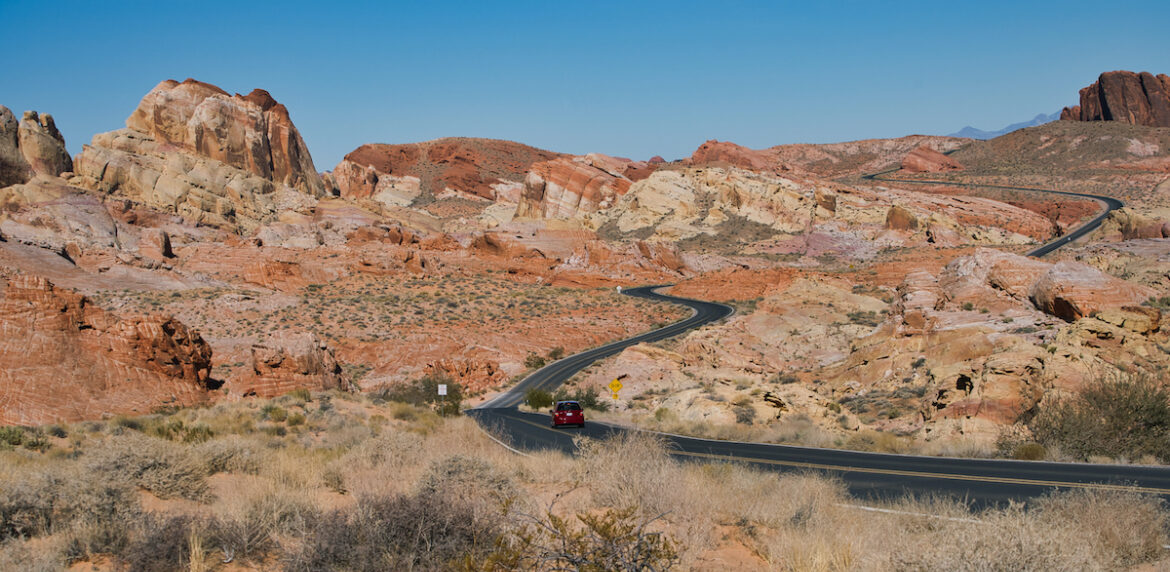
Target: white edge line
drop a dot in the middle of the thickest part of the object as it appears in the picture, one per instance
(909, 513)
(499, 442)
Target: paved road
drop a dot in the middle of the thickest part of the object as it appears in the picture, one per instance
(554, 374)
(1108, 204)
(868, 475)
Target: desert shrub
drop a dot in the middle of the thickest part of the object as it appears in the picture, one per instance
(274, 412)
(422, 532)
(425, 392)
(1125, 417)
(229, 455)
(614, 540)
(744, 414)
(864, 318)
(876, 441)
(467, 480)
(57, 431)
(301, 394)
(1124, 529)
(11, 437)
(556, 353)
(36, 501)
(296, 418)
(538, 398)
(166, 469)
(534, 361)
(589, 398)
(630, 469)
(19, 555)
(250, 529)
(1029, 452)
(163, 543)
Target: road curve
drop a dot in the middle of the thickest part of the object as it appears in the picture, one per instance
(1109, 205)
(554, 374)
(867, 475)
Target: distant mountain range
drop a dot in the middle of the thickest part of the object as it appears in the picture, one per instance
(973, 133)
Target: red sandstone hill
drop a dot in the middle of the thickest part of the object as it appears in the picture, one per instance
(462, 164)
(1136, 98)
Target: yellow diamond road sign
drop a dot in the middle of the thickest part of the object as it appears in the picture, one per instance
(615, 386)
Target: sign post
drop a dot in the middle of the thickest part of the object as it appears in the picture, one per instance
(615, 386)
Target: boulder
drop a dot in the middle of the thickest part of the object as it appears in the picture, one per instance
(1071, 290)
(714, 152)
(900, 218)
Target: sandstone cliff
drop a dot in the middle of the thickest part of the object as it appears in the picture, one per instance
(65, 359)
(229, 161)
(1137, 98)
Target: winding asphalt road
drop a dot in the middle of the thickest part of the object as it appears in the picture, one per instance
(867, 475)
(1108, 204)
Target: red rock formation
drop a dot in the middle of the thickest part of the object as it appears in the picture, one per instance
(251, 132)
(466, 165)
(1140, 99)
(63, 359)
(291, 360)
(923, 159)
(473, 375)
(715, 152)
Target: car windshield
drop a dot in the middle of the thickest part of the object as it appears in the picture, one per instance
(568, 407)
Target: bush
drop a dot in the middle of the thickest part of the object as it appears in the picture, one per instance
(613, 540)
(1127, 417)
(425, 392)
(588, 398)
(534, 361)
(423, 532)
(538, 398)
(161, 467)
(11, 437)
(164, 543)
(556, 353)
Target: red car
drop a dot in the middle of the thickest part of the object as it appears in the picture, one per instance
(567, 413)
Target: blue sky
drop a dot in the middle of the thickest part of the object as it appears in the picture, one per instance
(634, 79)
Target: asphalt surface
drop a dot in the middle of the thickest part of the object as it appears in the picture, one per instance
(554, 374)
(870, 476)
(1109, 204)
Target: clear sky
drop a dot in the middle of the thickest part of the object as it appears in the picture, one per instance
(631, 78)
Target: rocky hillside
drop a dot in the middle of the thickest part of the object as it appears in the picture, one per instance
(29, 147)
(1125, 96)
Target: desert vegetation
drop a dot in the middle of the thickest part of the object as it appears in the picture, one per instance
(336, 481)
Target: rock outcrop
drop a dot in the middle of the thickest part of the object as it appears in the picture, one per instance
(923, 159)
(29, 147)
(398, 174)
(1071, 290)
(726, 153)
(1136, 98)
(189, 148)
(291, 360)
(570, 187)
(65, 359)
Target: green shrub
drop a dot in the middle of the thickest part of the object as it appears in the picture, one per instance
(11, 437)
(556, 353)
(425, 392)
(301, 394)
(534, 361)
(538, 398)
(1030, 452)
(274, 412)
(1127, 417)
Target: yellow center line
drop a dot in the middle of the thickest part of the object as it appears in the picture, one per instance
(901, 473)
